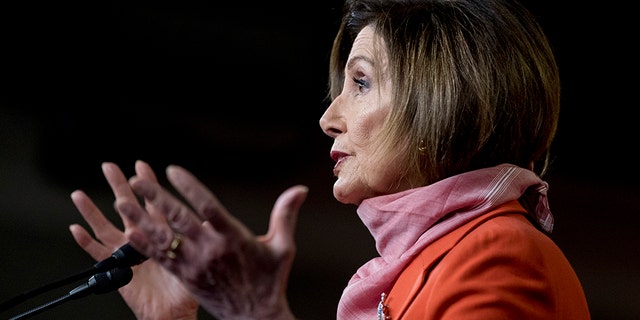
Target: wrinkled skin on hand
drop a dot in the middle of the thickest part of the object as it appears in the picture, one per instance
(153, 293)
(232, 273)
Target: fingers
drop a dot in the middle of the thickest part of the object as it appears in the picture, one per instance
(143, 170)
(155, 239)
(205, 203)
(94, 248)
(146, 235)
(108, 236)
(283, 220)
(153, 234)
(119, 185)
(104, 230)
(117, 180)
(179, 216)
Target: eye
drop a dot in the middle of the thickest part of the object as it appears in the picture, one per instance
(361, 83)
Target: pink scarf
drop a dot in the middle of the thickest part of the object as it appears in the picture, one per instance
(404, 223)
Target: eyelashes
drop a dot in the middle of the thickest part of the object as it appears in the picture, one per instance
(361, 83)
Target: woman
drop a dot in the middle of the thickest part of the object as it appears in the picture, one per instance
(442, 115)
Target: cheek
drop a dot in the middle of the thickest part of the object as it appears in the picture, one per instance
(367, 176)
(364, 130)
(381, 174)
(376, 170)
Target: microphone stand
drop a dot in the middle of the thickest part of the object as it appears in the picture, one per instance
(98, 283)
(44, 307)
(30, 294)
(126, 255)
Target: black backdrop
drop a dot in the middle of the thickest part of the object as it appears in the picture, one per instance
(234, 92)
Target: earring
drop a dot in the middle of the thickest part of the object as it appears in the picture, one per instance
(421, 146)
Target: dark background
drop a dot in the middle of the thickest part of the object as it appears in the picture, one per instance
(234, 92)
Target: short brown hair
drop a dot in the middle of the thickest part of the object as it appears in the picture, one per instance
(475, 83)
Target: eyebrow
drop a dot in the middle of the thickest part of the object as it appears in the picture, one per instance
(355, 59)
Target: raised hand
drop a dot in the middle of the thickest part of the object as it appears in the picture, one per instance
(153, 293)
(232, 272)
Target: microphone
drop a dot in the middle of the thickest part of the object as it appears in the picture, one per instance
(103, 282)
(99, 283)
(125, 256)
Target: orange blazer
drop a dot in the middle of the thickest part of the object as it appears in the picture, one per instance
(498, 266)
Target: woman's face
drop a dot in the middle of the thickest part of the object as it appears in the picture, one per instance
(354, 119)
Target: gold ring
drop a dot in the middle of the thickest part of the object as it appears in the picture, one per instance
(175, 244)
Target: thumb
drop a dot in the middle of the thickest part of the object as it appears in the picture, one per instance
(284, 217)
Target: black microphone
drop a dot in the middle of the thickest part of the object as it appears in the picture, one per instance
(99, 283)
(125, 256)
(103, 282)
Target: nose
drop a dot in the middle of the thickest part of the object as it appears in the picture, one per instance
(331, 122)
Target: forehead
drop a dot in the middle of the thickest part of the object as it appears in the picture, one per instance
(367, 46)
(364, 40)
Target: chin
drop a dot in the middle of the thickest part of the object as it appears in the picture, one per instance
(340, 197)
(345, 195)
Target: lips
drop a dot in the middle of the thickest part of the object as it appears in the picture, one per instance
(339, 157)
